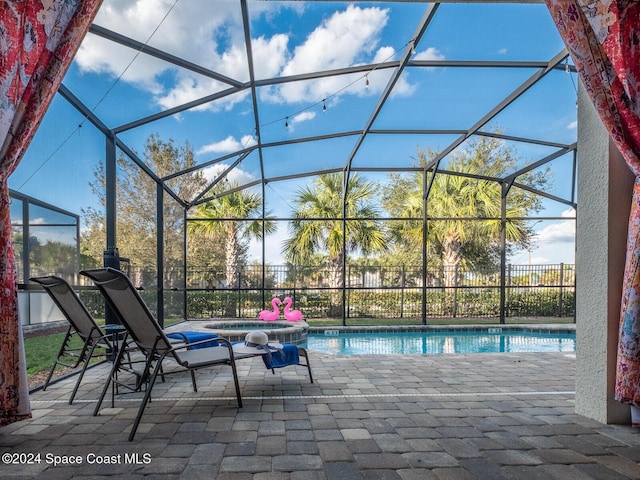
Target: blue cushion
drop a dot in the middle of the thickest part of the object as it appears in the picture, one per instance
(195, 337)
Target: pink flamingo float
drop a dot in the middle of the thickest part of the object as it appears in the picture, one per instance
(291, 315)
(271, 315)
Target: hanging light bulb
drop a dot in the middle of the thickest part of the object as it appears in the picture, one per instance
(286, 122)
(566, 66)
(413, 47)
(366, 80)
(324, 105)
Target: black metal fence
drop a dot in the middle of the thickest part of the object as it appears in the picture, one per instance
(385, 292)
(371, 292)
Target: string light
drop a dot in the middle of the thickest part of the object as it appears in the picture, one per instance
(323, 101)
(286, 122)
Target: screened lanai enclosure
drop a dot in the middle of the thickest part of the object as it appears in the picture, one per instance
(403, 160)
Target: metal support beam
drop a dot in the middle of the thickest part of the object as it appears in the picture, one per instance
(503, 252)
(184, 264)
(160, 253)
(218, 179)
(512, 97)
(84, 110)
(134, 157)
(177, 109)
(425, 230)
(26, 242)
(410, 48)
(252, 77)
(164, 56)
(110, 193)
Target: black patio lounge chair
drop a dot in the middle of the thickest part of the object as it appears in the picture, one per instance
(143, 329)
(81, 323)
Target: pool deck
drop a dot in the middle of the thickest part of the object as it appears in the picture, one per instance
(406, 417)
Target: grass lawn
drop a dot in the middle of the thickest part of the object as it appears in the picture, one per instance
(42, 350)
(40, 353)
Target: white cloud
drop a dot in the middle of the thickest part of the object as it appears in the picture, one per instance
(235, 176)
(502, 51)
(210, 34)
(304, 116)
(300, 118)
(573, 125)
(216, 42)
(403, 87)
(99, 56)
(272, 53)
(563, 232)
(144, 20)
(228, 145)
(353, 31)
(430, 53)
(541, 260)
(343, 40)
(553, 244)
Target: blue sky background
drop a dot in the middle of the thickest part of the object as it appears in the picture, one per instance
(289, 38)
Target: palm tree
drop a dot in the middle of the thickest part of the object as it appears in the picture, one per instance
(458, 199)
(318, 223)
(227, 215)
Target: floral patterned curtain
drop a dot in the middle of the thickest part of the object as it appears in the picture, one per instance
(38, 40)
(603, 38)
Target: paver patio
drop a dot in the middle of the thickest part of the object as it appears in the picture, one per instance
(441, 417)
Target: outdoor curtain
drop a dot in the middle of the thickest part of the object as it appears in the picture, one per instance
(38, 41)
(603, 38)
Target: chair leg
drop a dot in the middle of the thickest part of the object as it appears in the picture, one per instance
(53, 369)
(110, 378)
(63, 348)
(80, 375)
(193, 381)
(88, 357)
(145, 400)
(236, 383)
(305, 354)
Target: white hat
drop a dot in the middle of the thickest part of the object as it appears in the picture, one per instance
(257, 342)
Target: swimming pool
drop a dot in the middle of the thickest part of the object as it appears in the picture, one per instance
(437, 342)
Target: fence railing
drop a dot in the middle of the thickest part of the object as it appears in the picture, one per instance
(371, 292)
(385, 292)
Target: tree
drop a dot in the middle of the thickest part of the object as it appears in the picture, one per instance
(318, 226)
(226, 214)
(53, 256)
(456, 199)
(136, 197)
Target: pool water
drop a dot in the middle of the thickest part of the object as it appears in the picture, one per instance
(441, 342)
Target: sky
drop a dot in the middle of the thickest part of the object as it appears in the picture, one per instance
(121, 85)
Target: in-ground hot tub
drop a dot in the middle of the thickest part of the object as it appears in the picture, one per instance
(235, 330)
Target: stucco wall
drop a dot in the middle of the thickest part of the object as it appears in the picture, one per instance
(604, 193)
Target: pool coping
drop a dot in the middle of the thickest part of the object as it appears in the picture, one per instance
(201, 325)
(280, 330)
(526, 328)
